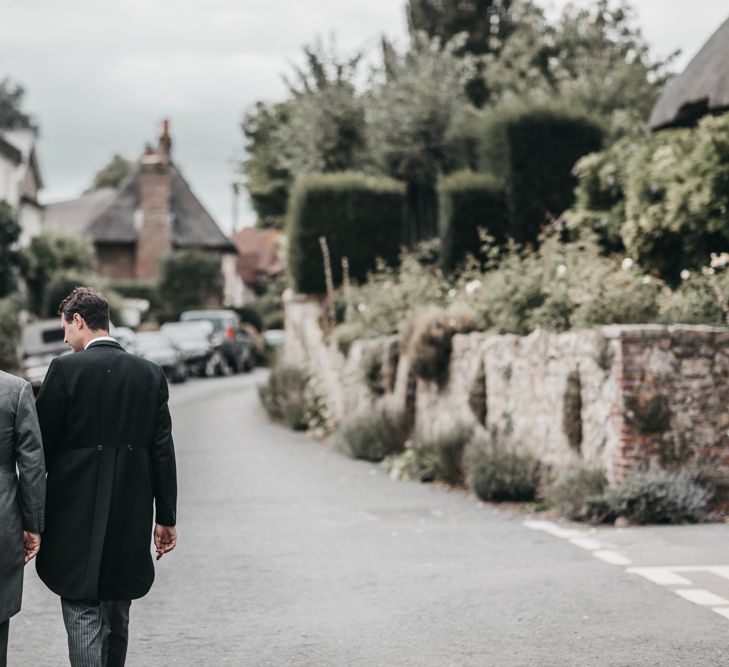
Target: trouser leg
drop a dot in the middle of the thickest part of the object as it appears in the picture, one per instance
(4, 627)
(83, 626)
(115, 633)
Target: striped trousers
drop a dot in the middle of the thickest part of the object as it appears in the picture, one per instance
(98, 632)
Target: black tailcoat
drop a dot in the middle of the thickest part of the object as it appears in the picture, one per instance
(107, 438)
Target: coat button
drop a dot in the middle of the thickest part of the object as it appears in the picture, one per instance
(99, 447)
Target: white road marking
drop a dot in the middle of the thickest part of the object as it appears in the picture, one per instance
(701, 596)
(663, 576)
(612, 557)
(586, 543)
(722, 611)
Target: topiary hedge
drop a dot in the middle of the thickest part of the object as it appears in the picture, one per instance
(361, 218)
(534, 152)
(470, 201)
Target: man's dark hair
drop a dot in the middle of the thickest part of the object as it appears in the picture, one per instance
(90, 305)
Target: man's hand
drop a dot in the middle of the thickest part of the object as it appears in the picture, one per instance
(165, 539)
(31, 545)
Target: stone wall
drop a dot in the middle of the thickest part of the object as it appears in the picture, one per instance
(609, 397)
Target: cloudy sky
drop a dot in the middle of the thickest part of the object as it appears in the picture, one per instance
(100, 76)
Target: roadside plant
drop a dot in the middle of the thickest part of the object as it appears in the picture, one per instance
(426, 337)
(440, 456)
(372, 435)
(579, 495)
(284, 396)
(497, 473)
(372, 365)
(657, 495)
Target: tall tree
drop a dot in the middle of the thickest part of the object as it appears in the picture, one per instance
(113, 173)
(413, 101)
(593, 59)
(488, 23)
(9, 235)
(12, 117)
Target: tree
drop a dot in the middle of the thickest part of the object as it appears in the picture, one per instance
(413, 101)
(593, 60)
(11, 101)
(190, 279)
(45, 257)
(113, 173)
(488, 23)
(9, 235)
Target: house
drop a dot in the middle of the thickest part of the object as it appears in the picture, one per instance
(701, 89)
(152, 212)
(20, 180)
(259, 262)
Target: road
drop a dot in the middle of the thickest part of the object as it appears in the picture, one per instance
(290, 554)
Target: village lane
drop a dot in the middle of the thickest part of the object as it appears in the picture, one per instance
(292, 554)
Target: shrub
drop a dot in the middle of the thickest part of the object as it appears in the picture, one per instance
(427, 339)
(62, 284)
(655, 495)
(361, 218)
(9, 336)
(497, 474)
(470, 202)
(534, 150)
(190, 279)
(580, 496)
(371, 366)
(373, 435)
(440, 456)
(283, 396)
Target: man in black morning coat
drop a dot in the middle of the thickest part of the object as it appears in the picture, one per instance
(109, 454)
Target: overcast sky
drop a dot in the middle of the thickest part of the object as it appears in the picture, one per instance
(100, 76)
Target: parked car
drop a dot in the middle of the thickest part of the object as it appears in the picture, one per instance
(157, 348)
(236, 343)
(41, 342)
(195, 341)
(274, 337)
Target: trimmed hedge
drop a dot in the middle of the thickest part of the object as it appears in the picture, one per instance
(534, 152)
(469, 201)
(9, 335)
(361, 218)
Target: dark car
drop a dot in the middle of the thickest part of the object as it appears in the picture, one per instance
(195, 341)
(157, 348)
(40, 343)
(236, 344)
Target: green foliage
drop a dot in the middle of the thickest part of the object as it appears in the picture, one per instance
(49, 255)
(12, 117)
(497, 473)
(113, 173)
(190, 279)
(534, 151)
(592, 59)
(9, 336)
(470, 202)
(283, 396)
(440, 456)
(268, 180)
(269, 306)
(9, 234)
(360, 217)
(61, 284)
(372, 435)
(655, 495)
(572, 410)
(426, 338)
(371, 365)
(580, 495)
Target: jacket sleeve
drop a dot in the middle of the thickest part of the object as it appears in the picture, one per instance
(51, 406)
(162, 453)
(29, 459)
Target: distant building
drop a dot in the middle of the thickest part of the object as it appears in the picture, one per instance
(701, 89)
(20, 180)
(153, 212)
(258, 259)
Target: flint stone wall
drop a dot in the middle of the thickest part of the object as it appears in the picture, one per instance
(643, 390)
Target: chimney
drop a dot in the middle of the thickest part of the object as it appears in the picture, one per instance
(154, 238)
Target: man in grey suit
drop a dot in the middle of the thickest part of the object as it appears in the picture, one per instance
(22, 495)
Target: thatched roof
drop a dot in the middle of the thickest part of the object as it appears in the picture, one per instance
(702, 88)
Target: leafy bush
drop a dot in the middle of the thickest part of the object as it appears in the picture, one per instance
(190, 278)
(580, 495)
(361, 218)
(284, 396)
(655, 495)
(534, 150)
(440, 456)
(9, 335)
(372, 370)
(426, 338)
(62, 284)
(470, 202)
(373, 435)
(495, 473)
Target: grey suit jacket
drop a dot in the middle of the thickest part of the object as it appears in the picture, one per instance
(22, 485)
